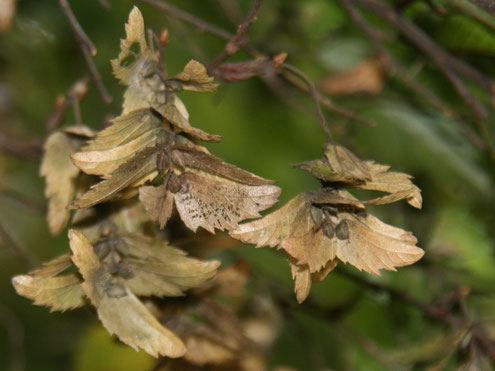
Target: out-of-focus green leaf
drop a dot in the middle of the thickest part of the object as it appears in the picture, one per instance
(99, 352)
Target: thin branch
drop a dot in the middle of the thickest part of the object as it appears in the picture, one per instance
(237, 41)
(202, 25)
(231, 10)
(396, 69)
(198, 23)
(447, 64)
(21, 200)
(332, 107)
(76, 27)
(15, 337)
(20, 147)
(87, 48)
(315, 95)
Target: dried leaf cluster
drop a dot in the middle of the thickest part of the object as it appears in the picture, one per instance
(152, 152)
(318, 229)
(150, 162)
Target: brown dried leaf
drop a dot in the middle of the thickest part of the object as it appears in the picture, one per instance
(191, 158)
(46, 288)
(60, 174)
(160, 270)
(194, 78)
(302, 281)
(342, 166)
(366, 78)
(116, 145)
(315, 229)
(399, 186)
(212, 202)
(118, 308)
(146, 87)
(134, 35)
(293, 219)
(134, 173)
(158, 202)
(172, 113)
(7, 12)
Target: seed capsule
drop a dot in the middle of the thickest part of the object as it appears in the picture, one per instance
(342, 230)
(328, 229)
(316, 215)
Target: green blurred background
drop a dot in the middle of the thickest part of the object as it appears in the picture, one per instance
(39, 60)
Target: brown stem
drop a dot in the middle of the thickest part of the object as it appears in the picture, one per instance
(237, 41)
(87, 48)
(19, 250)
(447, 64)
(315, 95)
(20, 147)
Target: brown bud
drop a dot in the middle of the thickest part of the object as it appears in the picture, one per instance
(164, 37)
(342, 230)
(328, 229)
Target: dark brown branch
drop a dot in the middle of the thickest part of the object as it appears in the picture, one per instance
(394, 68)
(198, 23)
(315, 95)
(87, 48)
(20, 147)
(332, 107)
(221, 33)
(447, 64)
(237, 41)
(76, 27)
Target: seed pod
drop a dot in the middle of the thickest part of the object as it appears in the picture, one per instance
(317, 215)
(342, 230)
(328, 229)
(115, 290)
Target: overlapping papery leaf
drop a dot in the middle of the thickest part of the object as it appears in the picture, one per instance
(45, 286)
(207, 192)
(60, 174)
(147, 88)
(342, 166)
(111, 284)
(318, 229)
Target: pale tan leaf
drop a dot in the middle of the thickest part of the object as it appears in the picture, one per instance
(105, 162)
(129, 319)
(191, 158)
(216, 203)
(134, 35)
(372, 245)
(158, 202)
(194, 78)
(60, 174)
(59, 293)
(120, 310)
(7, 13)
(310, 250)
(330, 196)
(345, 165)
(367, 77)
(173, 114)
(293, 219)
(140, 169)
(399, 186)
(302, 281)
(80, 131)
(44, 287)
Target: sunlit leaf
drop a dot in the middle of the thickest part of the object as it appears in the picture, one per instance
(118, 308)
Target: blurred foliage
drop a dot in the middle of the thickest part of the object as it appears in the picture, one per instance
(373, 330)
